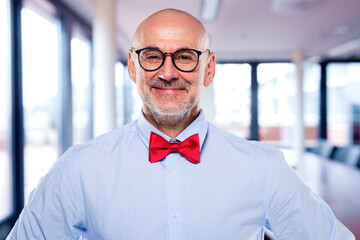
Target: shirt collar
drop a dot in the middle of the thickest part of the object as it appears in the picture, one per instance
(199, 125)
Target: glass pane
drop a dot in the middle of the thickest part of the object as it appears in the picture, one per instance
(232, 98)
(81, 92)
(119, 84)
(40, 87)
(5, 164)
(311, 90)
(136, 103)
(128, 102)
(277, 89)
(343, 103)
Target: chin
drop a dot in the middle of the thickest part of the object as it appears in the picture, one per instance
(171, 114)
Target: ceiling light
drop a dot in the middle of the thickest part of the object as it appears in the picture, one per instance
(347, 48)
(295, 6)
(209, 10)
(340, 30)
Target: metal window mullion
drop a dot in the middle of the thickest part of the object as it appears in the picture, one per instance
(65, 93)
(323, 101)
(17, 111)
(254, 122)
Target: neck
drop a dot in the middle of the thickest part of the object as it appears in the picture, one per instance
(169, 124)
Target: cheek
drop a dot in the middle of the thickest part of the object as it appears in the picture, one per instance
(141, 78)
(147, 76)
(196, 79)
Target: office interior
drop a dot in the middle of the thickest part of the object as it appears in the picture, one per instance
(288, 73)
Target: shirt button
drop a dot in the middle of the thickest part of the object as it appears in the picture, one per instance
(174, 214)
(172, 173)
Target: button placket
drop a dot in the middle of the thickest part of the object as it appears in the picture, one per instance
(173, 185)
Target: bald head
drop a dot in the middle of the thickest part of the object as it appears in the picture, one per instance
(171, 25)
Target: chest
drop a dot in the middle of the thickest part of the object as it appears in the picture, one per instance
(175, 199)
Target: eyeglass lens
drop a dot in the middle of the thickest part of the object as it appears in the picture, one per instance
(152, 59)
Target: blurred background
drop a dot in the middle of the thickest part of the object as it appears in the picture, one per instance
(288, 73)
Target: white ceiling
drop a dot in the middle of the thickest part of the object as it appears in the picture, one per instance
(247, 30)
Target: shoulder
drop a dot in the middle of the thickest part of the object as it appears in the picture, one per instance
(100, 149)
(231, 140)
(108, 140)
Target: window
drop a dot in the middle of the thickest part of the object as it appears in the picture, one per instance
(343, 103)
(136, 100)
(5, 161)
(40, 48)
(119, 84)
(277, 90)
(132, 97)
(81, 91)
(128, 101)
(232, 98)
(311, 88)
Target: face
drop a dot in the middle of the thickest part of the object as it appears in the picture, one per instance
(169, 92)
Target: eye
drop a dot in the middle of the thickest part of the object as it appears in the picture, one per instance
(185, 56)
(151, 56)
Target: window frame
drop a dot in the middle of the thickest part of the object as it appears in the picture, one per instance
(68, 19)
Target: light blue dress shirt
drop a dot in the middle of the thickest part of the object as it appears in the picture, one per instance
(107, 189)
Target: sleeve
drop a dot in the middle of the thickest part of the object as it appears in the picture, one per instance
(54, 209)
(294, 211)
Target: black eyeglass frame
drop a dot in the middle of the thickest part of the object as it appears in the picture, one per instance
(172, 57)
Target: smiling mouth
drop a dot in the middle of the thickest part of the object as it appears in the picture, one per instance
(168, 90)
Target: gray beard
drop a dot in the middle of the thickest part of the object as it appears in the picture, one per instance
(169, 117)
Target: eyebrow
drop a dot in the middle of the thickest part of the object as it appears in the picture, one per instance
(152, 47)
(182, 47)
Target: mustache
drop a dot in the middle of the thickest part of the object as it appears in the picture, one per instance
(158, 83)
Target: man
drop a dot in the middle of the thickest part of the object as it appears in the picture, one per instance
(192, 182)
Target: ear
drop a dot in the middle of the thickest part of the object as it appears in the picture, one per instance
(210, 69)
(131, 66)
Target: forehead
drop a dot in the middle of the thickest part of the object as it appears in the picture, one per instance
(171, 33)
(170, 38)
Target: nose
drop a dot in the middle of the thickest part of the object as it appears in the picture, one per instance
(168, 71)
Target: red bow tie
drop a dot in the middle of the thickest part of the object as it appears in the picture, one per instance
(160, 148)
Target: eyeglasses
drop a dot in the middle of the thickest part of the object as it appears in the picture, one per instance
(186, 60)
